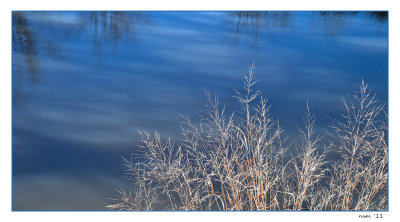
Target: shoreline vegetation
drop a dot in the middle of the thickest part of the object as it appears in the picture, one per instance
(242, 161)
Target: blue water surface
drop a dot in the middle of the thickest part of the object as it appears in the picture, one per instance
(83, 83)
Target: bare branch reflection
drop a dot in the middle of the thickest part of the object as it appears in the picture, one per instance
(36, 35)
(25, 45)
(250, 23)
(111, 28)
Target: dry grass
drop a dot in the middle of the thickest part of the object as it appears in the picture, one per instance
(229, 162)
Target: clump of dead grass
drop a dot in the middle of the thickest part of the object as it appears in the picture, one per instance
(240, 162)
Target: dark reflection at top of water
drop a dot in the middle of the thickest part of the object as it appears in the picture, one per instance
(36, 34)
(252, 23)
(381, 16)
(24, 42)
(109, 28)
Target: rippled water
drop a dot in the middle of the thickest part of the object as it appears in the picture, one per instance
(85, 82)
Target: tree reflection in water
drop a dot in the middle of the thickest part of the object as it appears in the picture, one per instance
(111, 28)
(24, 46)
(251, 23)
(108, 29)
(32, 40)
